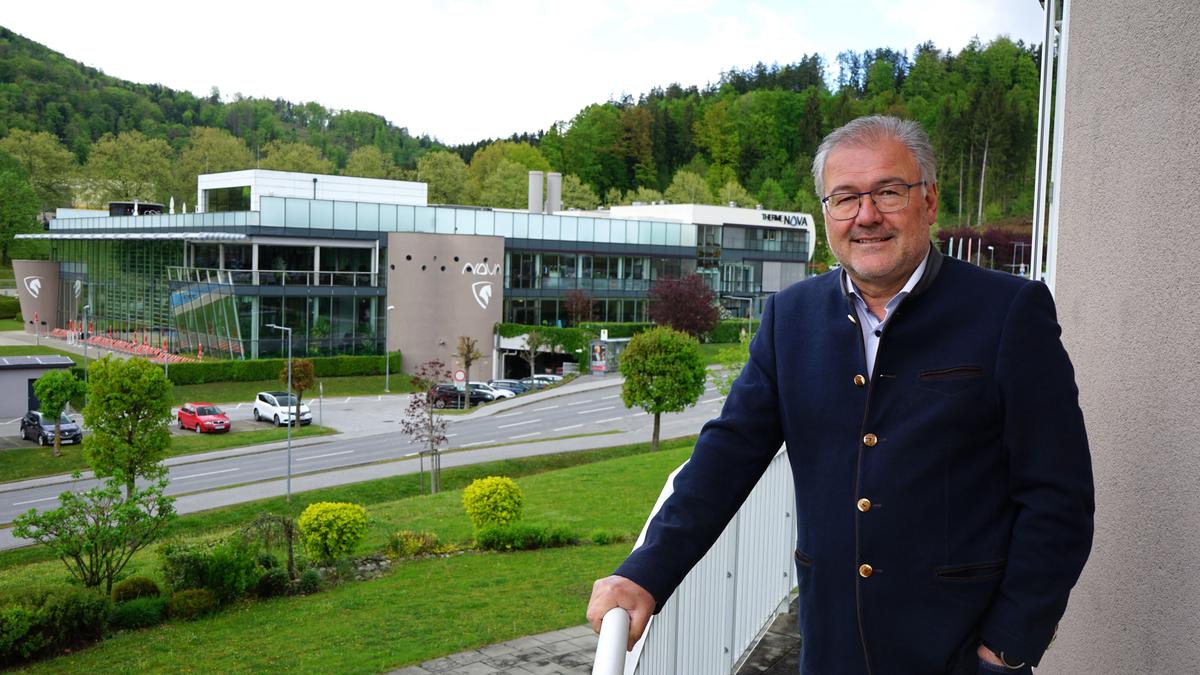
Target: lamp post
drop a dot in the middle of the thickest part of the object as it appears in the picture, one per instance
(992, 256)
(287, 330)
(387, 361)
(85, 347)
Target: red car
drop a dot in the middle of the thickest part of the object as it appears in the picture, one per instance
(203, 417)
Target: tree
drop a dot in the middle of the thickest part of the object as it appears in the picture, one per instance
(688, 187)
(369, 161)
(300, 157)
(733, 192)
(18, 204)
(208, 151)
(686, 304)
(272, 527)
(644, 195)
(421, 423)
(579, 304)
(507, 187)
(54, 390)
(535, 341)
(128, 409)
(468, 352)
(128, 166)
(446, 175)
(730, 361)
(488, 160)
(48, 165)
(663, 372)
(578, 195)
(303, 379)
(95, 533)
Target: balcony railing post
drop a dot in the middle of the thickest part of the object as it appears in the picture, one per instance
(610, 650)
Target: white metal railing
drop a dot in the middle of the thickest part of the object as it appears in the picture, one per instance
(610, 650)
(723, 604)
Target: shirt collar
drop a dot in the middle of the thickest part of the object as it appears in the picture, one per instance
(913, 280)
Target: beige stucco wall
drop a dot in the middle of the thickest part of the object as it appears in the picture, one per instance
(37, 292)
(1127, 274)
(444, 286)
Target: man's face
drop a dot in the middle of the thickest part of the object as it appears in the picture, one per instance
(879, 250)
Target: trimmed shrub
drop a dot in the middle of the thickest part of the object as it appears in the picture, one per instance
(272, 583)
(729, 330)
(184, 566)
(10, 307)
(71, 615)
(191, 604)
(522, 537)
(267, 561)
(495, 500)
(20, 638)
(245, 370)
(310, 581)
(405, 544)
(140, 612)
(603, 537)
(231, 571)
(616, 329)
(331, 530)
(135, 587)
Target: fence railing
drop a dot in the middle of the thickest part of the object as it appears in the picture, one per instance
(724, 603)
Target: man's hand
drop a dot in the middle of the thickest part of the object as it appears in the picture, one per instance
(615, 591)
(988, 656)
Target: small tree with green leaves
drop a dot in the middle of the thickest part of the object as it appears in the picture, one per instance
(730, 361)
(128, 410)
(663, 372)
(536, 341)
(96, 532)
(468, 352)
(54, 390)
(303, 379)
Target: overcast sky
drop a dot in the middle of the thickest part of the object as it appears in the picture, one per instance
(466, 70)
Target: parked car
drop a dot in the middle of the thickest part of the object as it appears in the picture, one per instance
(448, 396)
(549, 379)
(279, 407)
(36, 427)
(496, 393)
(514, 386)
(533, 383)
(201, 417)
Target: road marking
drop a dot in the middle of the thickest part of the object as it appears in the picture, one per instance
(713, 400)
(451, 435)
(549, 407)
(536, 433)
(412, 454)
(579, 402)
(605, 398)
(208, 473)
(517, 424)
(238, 407)
(467, 445)
(573, 426)
(611, 419)
(34, 501)
(584, 412)
(347, 400)
(328, 454)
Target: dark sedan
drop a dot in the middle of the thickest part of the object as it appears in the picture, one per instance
(36, 427)
(448, 396)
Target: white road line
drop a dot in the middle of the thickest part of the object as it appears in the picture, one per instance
(713, 400)
(208, 473)
(536, 433)
(238, 407)
(412, 454)
(583, 412)
(573, 426)
(467, 445)
(605, 398)
(34, 501)
(328, 454)
(451, 435)
(579, 403)
(549, 407)
(347, 400)
(611, 419)
(517, 424)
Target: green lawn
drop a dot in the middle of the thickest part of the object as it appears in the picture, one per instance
(12, 324)
(33, 461)
(424, 608)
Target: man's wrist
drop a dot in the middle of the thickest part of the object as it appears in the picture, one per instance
(998, 658)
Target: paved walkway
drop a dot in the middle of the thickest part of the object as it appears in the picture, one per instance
(567, 652)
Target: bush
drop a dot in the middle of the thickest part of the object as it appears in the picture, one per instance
(405, 544)
(521, 537)
(184, 566)
(267, 561)
(227, 570)
(10, 307)
(191, 604)
(729, 330)
(273, 582)
(310, 581)
(73, 615)
(245, 370)
(20, 638)
(495, 500)
(140, 612)
(135, 587)
(331, 530)
(604, 537)
(615, 329)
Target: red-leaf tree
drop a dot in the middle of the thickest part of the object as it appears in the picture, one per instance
(420, 422)
(579, 304)
(686, 304)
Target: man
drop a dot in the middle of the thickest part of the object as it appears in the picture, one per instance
(943, 480)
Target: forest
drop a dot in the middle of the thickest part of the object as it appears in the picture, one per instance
(78, 137)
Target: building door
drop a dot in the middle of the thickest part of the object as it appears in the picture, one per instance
(33, 402)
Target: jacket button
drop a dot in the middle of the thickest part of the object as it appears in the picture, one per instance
(860, 381)
(870, 440)
(864, 505)
(865, 570)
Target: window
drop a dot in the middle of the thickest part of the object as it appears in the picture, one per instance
(227, 199)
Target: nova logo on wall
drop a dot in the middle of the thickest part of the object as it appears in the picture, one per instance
(33, 285)
(481, 290)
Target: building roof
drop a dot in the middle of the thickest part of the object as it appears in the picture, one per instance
(41, 362)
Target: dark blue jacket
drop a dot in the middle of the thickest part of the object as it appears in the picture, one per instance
(968, 442)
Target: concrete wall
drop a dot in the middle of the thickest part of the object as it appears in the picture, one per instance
(444, 286)
(264, 183)
(37, 292)
(1127, 273)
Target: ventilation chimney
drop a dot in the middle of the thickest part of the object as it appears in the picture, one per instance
(553, 192)
(535, 191)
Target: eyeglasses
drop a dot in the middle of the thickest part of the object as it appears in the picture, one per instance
(886, 198)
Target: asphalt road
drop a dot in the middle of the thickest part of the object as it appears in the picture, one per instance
(370, 445)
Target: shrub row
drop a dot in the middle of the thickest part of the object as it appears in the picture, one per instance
(616, 329)
(522, 537)
(39, 622)
(729, 330)
(10, 307)
(268, 369)
(227, 571)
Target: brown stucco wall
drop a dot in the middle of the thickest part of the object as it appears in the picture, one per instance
(40, 277)
(1127, 271)
(440, 286)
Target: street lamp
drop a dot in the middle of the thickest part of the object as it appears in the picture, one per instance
(292, 413)
(387, 361)
(992, 255)
(85, 344)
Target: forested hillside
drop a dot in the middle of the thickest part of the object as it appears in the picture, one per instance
(81, 137)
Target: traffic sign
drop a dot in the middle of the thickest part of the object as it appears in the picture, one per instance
(460, 376)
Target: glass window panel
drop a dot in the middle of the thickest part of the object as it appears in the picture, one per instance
(485, 222)
(601, 232)
(387, 217)
(551, 227)
(616, 232)
(570, 229)
(296, 213)
(672, 234)
(344, 215)
(687, 234)
(464, 221)
(504, 223)
(644, 233)
(424, 219)
(587, 229)
(368, 217)
(406, 218)
(660, 234)
(321, 213)
(520, 225)
(536, 221)
(443, 220)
